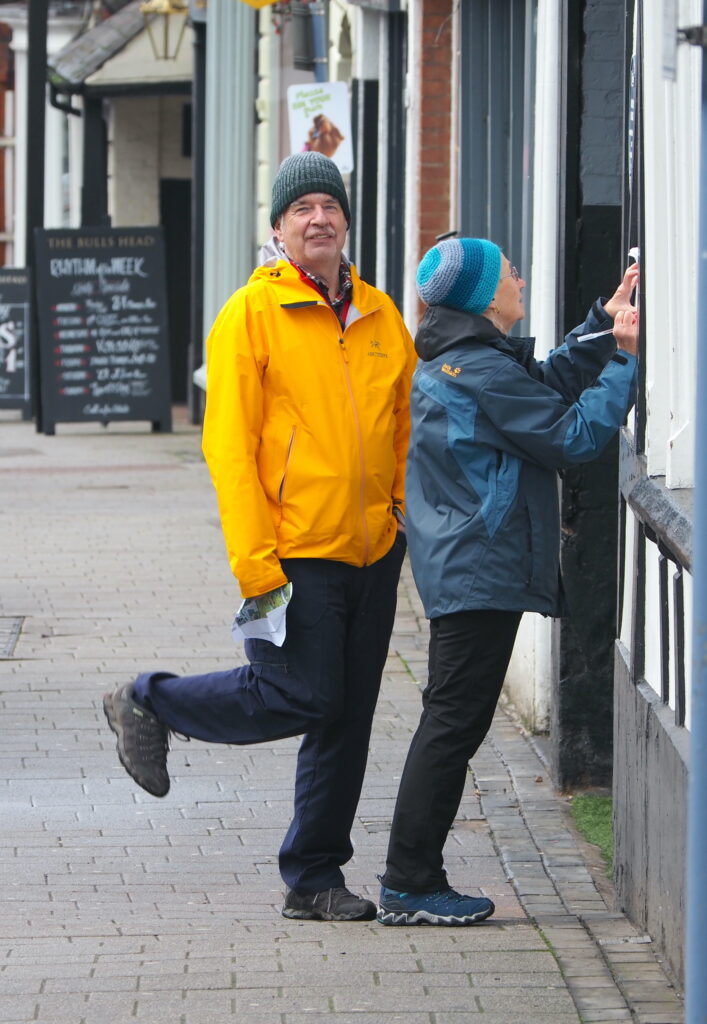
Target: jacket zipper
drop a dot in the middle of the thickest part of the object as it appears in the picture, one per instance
(357, 421)
(529, 545)
(287, 464)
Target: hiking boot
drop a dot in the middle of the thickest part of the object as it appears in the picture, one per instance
(143, 741)
(446, 907)
(330, 905)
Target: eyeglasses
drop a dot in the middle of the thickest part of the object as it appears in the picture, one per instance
(513, 272)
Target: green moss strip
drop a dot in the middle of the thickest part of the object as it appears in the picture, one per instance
(592, 816)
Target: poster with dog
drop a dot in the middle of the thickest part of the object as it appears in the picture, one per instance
(320, 120)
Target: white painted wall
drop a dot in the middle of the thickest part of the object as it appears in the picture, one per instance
(19, 45)
(59, 32)
(672, 142)
(268, 107)
(55, 139)
(8, 155)
(412, 168)
(342, 40)
(652, 670)
(75, 165)
(528, 678)
(629, 587)
(669, 300)
(689, 598)
(133, 160)
(529, 674)
(144, 146)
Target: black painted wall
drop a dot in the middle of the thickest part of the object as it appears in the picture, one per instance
(582, 699)
(362, 249)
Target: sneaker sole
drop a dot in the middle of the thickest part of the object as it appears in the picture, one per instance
(425, 917)
(316, 915)
(113, 722)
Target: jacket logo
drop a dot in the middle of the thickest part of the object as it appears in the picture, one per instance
(375, 347)
(451, 372)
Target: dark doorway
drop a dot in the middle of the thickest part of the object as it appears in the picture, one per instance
(175, 218)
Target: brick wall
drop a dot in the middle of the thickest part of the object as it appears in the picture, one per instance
(435, 121)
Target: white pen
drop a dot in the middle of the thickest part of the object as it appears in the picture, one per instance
(596, 334)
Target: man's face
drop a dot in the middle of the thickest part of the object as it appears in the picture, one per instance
(312, 230)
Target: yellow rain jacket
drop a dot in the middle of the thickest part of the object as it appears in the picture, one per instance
(306, 425)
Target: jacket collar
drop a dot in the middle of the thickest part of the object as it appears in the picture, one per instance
(292, 290)
(443, 328)
(522, 349)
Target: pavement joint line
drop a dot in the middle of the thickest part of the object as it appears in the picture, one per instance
(590, 927)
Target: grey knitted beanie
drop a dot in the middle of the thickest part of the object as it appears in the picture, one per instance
(460, 272)
(307, 172)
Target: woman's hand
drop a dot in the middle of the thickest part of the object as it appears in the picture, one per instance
(626, 324)
(621, 299)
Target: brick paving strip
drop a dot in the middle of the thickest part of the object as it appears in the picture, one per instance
(612, 970)
(117, 907)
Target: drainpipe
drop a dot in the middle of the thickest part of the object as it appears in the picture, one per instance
(37, 18)
(194, 358)
(319, 44)
(696, 980)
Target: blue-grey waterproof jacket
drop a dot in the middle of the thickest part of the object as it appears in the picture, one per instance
(490, 428)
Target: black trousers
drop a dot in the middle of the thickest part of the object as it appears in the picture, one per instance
(322, 682)
(468, 658)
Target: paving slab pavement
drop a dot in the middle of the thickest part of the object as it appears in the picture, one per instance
(117, 907)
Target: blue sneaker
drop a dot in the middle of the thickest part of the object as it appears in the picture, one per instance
(447, 907)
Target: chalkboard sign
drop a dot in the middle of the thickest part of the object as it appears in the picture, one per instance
(103, 335)
(14, 341)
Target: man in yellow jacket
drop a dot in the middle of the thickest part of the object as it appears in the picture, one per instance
(305, 435)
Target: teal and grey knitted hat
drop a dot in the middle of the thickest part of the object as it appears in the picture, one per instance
(307, 172)
(460, 272)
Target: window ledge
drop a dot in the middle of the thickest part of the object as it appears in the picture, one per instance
(669, 513)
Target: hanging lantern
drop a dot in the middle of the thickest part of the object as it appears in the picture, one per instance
(165, 21)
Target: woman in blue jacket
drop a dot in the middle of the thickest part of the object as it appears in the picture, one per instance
(490, 428)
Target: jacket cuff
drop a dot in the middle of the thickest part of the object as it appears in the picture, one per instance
(600, 313)
(260, 582)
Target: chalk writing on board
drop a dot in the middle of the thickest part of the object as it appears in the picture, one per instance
(102, 351)
(103, 324)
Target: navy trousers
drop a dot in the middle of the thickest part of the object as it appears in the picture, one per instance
(468, 657)
(323, 683)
